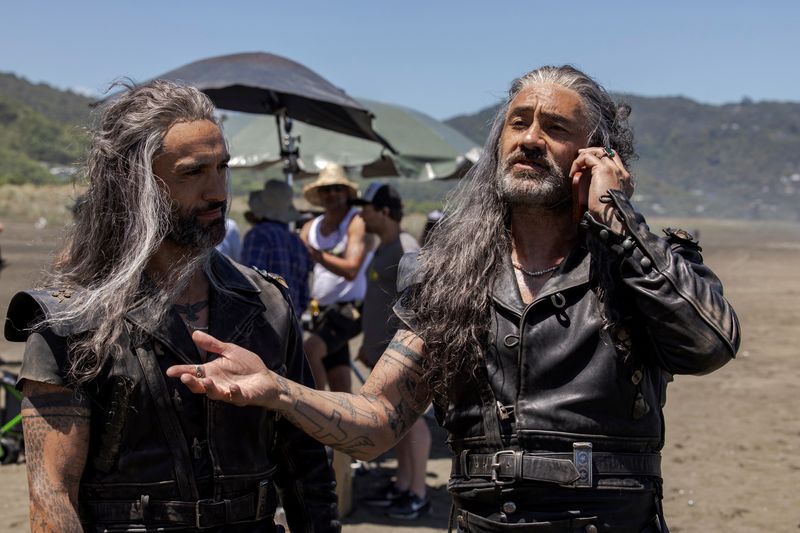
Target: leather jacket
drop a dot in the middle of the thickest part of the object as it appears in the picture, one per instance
(161, 456)
(554, 375)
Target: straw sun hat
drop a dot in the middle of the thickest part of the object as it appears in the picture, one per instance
(332, 174)
(274, 202)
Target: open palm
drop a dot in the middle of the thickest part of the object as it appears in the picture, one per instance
(236, 375)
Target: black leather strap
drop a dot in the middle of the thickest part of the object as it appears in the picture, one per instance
(200, 514)
(552, 467)
(182, 463)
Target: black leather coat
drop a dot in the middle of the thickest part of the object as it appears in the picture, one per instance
(159, 449)
(553, 374)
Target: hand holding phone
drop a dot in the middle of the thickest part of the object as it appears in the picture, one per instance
(595, 171)
(580, 193)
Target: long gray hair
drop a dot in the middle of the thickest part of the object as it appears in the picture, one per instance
(458, 267)
(120, 222)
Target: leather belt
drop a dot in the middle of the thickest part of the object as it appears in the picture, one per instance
(200, 514)
(507, 466)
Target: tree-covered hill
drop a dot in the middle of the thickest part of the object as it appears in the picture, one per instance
(41, 129)
(733, 160)
(65, 107)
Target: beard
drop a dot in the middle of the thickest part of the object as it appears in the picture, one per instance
(187, 231)
(546, 187)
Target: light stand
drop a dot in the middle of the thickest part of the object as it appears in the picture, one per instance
(290, 149)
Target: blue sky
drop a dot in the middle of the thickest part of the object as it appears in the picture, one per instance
(441, 57)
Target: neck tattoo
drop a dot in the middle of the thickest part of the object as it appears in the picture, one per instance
(189, 314)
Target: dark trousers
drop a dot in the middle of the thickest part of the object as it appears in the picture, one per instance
(553, 509)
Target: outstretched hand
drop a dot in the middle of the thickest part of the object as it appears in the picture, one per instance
(235, 375)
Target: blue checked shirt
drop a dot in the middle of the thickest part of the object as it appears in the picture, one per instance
(272, 247)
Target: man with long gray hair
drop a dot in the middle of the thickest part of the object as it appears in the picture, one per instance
(544, 319)
(111, 444)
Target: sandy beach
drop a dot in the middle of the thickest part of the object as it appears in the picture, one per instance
(731, 460)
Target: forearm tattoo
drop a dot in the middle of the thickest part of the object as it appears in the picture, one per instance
(393, 398)
(328, 427)
(404, 365)
(56, 432)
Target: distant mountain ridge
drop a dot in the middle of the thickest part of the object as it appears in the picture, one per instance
(732, 160)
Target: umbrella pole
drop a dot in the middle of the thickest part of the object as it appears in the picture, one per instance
(290, 151)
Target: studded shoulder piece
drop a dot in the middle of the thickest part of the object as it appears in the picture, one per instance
(28, 308)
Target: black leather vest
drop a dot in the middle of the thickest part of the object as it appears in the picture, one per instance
(152, 440)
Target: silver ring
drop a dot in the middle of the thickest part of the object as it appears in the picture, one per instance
(198, 372)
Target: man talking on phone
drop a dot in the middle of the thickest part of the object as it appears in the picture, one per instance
(544, 319)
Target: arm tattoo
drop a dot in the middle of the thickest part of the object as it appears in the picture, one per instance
(56, 432)
(329, 428)
(394, 396)
(406, 352)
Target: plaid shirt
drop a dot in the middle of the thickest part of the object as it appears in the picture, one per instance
(272, 247)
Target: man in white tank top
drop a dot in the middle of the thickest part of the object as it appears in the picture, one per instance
(341, 251)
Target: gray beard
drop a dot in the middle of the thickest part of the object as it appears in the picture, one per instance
(542, 189)
(186, 231)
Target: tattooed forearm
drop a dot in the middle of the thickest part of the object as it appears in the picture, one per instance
(56, 432)
(370, 422)
(406, 352)
(356, 446)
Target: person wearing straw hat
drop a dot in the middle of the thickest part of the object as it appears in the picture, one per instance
(341, 250)
(271, 246)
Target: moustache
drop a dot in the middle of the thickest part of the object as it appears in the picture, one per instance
(528, 157)
(208, 207)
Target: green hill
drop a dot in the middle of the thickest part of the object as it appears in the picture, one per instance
(732, 160)
(65, 107)
(41, 128)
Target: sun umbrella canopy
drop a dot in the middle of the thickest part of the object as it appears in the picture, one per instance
(254, 142)
(259, 82)
(426, 148)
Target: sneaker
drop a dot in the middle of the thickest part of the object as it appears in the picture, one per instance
(385, 497)
(410, 508)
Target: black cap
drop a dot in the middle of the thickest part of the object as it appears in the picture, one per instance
(379, 195)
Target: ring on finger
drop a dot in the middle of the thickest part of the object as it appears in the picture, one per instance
(609, 152)
(198, 372)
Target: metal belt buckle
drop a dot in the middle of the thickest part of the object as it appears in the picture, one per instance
(496, 467)
(582, 458)
(261, 499)
(197, 514)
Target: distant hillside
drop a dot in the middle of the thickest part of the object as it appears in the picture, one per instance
(41, 129)
(733, 160)
(65, 107)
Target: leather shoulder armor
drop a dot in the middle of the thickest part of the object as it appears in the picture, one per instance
(31, 307)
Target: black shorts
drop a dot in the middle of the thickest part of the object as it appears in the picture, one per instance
(336, 325)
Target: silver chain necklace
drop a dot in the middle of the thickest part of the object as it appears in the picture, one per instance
(536, 273)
